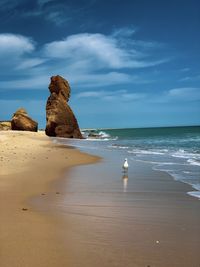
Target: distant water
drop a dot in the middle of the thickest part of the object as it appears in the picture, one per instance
(175, 150)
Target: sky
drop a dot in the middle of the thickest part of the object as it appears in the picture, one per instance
(131, 63)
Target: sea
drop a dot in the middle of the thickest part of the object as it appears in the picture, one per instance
(133, 218)
(175, 150)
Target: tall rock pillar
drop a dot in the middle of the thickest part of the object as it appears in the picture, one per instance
(60, 119)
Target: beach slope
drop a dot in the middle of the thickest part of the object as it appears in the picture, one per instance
(29, 163)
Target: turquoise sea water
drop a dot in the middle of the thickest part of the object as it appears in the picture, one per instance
(120, 217)
(175, 150)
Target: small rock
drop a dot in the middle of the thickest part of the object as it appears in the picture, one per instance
(21, 121)
(24, 209)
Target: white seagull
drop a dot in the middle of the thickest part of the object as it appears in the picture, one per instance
(125, 166)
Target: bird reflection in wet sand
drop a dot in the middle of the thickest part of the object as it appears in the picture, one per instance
(125, 181)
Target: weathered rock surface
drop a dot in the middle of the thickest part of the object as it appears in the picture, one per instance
(21, 121)
(60, 118)
(5, 125)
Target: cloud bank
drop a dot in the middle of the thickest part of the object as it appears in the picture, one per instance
(85, 59)
(175, 95)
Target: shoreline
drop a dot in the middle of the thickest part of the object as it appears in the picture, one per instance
(86, 214)
(29, 164)
(148, 219)
(192, 190)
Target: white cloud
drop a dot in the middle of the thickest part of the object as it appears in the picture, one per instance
(91, 94)
(30, 63)
(124, 32)
(56, 17)
(15, 45)
(37, 82)
(133, 96)
(185, 79)
(95, 46)
(40, 81)
(15, 50)
(190, 78)
(99, 50)
(99, 80)
(56, 12)
(185, 69)
(119, 95)
(86, 60)
(186, 94)
(175, 95)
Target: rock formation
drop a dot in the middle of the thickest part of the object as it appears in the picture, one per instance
(60, 118)
(21, 121)
(5, 125)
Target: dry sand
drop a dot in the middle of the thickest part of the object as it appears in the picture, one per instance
(84, 219)
(29, 162)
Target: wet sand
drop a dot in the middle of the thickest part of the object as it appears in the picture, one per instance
(94, 215)
(141, 219)
(29, 163)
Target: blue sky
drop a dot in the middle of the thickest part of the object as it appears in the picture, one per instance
(131, 63)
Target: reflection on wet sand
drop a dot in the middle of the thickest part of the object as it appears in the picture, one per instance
(125, 181)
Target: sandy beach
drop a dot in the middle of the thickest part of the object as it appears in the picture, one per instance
(29, 162)
(99, 133)
(145, 220)
(90, 215)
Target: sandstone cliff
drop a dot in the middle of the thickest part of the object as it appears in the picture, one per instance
(60, 118)
(21, 121)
